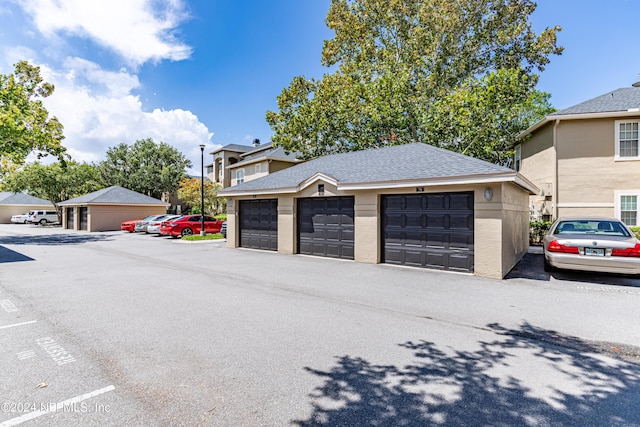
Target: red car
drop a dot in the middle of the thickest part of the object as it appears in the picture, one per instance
(129, 225)
(190, 224)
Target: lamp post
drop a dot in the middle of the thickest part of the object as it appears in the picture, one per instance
(202, 232)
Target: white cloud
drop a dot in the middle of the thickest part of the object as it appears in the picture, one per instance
(98, 111)
(137, 30)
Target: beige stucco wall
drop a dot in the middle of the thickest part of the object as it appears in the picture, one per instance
(266, 167)
(501, 230)
(587, 170)
(276, 165)
(538, 165)
(515, 225)
(109, 217)
(7, 211)
(588, 175)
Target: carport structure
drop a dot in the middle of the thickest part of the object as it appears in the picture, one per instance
(105, 209)
(413, 205)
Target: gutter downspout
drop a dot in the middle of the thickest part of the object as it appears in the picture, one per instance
(555, 174)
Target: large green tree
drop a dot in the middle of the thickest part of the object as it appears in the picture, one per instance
(419, 70)
(56, 182)
(189, 191)
(146, 167)
(25, 125)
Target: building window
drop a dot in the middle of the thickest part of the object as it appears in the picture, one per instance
(627, 139)
(258, 168)
(221, 170)
(239, 176)
(517, 158)
(629, 210)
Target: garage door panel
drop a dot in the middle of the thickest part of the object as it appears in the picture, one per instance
(463, 222)
(460, 201)
(434, 202)
(434, 260)
(439, 234)
(436, 220)
(459, 263)
(326, 227)
(460, 241)
(259, 224)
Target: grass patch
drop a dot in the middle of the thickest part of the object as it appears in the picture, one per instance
(196, 237)
(221, 217)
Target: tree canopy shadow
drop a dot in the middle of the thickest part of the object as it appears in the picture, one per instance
(54, 239)
(444, 386)
(7, 255)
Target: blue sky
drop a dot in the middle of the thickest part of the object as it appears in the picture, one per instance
(206, 71)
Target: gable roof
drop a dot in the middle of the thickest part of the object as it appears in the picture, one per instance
(233, 147)
(261, 147)
(115, 195)
(387, 167)
(623, 99)
(7, 198)
(276, 154)
(623, 102)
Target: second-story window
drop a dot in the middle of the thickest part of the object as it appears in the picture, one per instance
(239, 176)
(221, 170)
(627, 139)
(258, 168)
(517, 158)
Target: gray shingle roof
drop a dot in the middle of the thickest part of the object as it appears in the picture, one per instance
(276, 154)
(233, 147)
(115, 195)
(21, 199)
(396, 163)
(260, 147)
(621, 99)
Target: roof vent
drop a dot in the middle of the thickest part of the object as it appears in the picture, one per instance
(636, 84)
(256, 141)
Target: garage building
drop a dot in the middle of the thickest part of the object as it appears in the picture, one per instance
(412, 205)
(19, 203)
(105, 209)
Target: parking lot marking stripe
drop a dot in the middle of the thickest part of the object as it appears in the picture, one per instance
(18, 324)
(59, 406)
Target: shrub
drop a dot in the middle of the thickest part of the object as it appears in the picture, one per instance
(537, 231)
(636, 230)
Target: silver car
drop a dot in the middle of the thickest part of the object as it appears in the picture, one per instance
(141, 226)
(591, 244)
(153, 227)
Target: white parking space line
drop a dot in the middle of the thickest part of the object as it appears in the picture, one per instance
(18, 324)
(64, 406)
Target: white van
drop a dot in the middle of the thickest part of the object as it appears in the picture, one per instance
(42, 217)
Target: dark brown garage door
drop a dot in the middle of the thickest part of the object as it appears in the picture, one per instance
(429, 230)
(84, 218)
(259, 224)
(325, 227)
(70, 224)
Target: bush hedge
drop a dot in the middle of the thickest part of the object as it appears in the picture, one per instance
(537, 231)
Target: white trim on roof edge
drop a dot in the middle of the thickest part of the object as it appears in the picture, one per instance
(514, 177)
(113, 204)
(317, 177)
(576, 116)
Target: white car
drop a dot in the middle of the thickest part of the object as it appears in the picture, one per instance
(43, 217)
(153, 227)
(20, 218)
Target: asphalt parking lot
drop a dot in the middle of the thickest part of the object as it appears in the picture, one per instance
(129, 329)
